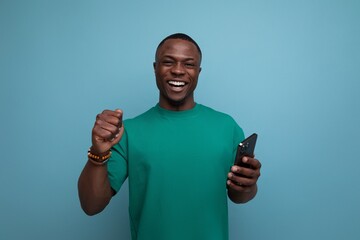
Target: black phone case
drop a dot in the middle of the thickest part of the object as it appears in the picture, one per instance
(245, 148)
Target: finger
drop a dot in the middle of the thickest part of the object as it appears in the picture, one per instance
(234, 186)
(102, 135)
(105, 130)
(116, 113)
(120, 116)
(245, 172)
(118, 136)
(240, 180)
(234, 178)
(252, 162)
(238, 188)
(112, 117)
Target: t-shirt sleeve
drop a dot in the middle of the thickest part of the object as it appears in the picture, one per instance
(238, 136)
(118, 163)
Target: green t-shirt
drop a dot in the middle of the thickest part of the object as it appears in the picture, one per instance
(177, 165)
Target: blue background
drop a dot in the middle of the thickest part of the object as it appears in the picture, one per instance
(288, 70)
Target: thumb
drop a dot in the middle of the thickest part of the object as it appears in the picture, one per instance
(120, 117)
(119, 110)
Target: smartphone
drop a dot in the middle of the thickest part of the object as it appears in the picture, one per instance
(245, 148)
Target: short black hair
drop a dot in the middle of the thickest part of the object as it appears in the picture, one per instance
(182, 36)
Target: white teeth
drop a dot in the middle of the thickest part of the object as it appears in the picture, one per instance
(177, 83)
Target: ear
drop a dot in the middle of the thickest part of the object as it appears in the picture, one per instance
(199, 69)
(154, 65)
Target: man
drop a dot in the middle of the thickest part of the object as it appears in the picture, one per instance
(177, 156)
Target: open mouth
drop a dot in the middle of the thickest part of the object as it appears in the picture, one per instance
(173, 83)
(177, 86)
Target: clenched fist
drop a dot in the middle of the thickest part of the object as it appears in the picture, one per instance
(107, 131)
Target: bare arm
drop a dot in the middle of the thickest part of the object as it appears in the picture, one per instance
(94, 187)
(242, 181)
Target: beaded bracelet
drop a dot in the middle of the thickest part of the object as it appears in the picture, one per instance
(98, 160)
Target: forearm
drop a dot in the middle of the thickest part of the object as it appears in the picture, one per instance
(94, 188)
(244, 196)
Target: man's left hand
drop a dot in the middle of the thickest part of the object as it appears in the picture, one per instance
(242, 180)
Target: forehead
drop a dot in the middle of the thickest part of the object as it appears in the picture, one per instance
(178, 47)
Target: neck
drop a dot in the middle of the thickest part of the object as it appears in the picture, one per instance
(176, 106)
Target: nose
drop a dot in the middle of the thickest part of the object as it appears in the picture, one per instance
(178, 69)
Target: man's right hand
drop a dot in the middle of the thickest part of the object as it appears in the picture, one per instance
(107, 131)
(94, 186)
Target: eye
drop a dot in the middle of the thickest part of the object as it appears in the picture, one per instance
(167, 62)
(190, 65)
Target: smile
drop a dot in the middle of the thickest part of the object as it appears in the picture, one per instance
(176, 83)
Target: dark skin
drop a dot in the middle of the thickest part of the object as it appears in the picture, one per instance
(177, 68)
(177, 62)
(242, 181)
(94, 187)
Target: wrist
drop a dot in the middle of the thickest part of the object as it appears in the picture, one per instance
(97, 152)
(98, 159)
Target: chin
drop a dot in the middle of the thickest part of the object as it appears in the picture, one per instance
(176, 102)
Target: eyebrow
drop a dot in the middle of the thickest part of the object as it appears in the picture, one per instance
(185, 59)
